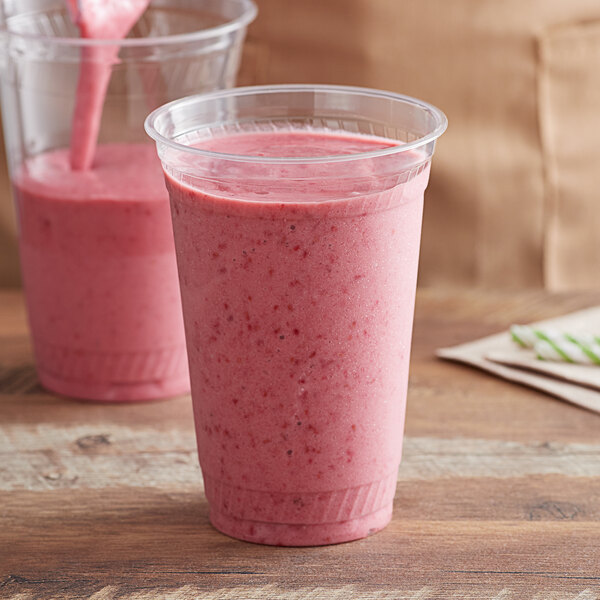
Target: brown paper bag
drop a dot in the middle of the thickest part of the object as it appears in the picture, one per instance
(512, 200)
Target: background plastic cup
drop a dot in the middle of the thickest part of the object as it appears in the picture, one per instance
(96, 246)
(298, 280)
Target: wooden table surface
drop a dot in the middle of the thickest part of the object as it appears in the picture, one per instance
(498, 493)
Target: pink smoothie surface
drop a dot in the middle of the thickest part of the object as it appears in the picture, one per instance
(100, 276)
(298, 305)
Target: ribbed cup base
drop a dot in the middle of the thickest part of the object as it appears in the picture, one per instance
(113, 377)
(286, 534)
(301, 519)
(115, 392)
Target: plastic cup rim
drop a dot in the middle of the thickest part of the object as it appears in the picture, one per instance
(248, 15)
(440, 119)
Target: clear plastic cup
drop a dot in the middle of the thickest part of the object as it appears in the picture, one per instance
(97, 253)
(297, 232)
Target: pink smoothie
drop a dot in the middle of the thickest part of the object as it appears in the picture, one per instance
(298, 319)
(99, 270)
(97, 19)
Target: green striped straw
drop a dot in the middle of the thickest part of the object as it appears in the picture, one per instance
(549, 344)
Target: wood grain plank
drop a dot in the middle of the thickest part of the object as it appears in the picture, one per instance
(444, 399)
(12, 313)
(276, 592)
(465, 402)
(47, 457)
(408, 555)
(539, 498)
(477, 531)
(451, 399)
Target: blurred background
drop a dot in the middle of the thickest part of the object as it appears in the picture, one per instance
(513, 198)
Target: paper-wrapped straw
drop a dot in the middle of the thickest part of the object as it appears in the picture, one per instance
(553, 345)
